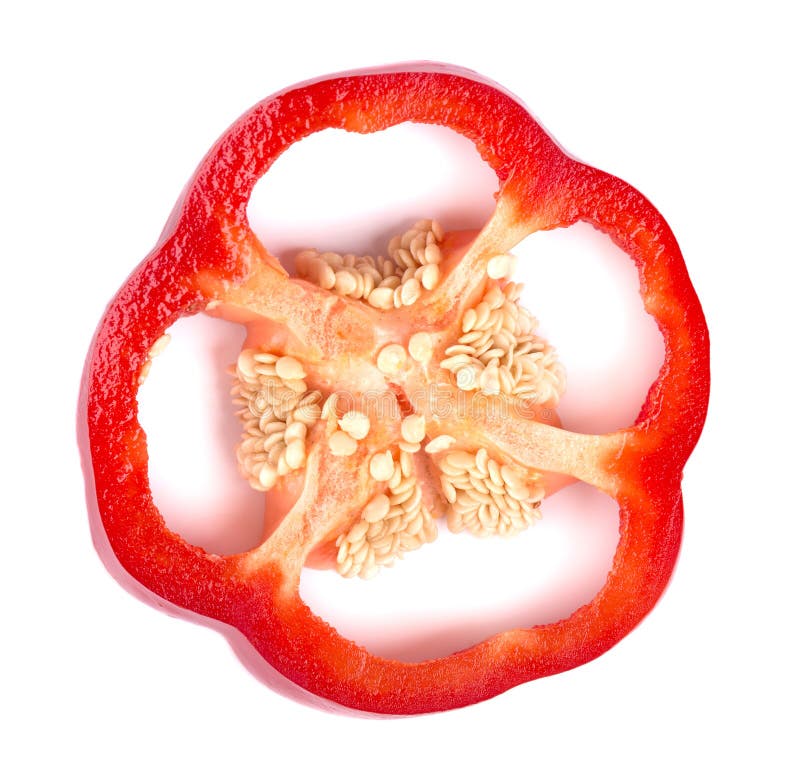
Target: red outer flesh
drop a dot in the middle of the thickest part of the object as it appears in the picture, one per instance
(196, 256)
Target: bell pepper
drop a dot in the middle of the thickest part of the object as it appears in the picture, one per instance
(208, 259)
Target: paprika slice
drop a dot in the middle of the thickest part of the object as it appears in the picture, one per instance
(347, 486)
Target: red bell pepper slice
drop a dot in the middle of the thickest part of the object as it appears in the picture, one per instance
(208, 250)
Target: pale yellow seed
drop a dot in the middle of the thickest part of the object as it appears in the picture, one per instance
(415, 526)
(490, 381)
(391, 282)
(477, 497)
(519, 492)
(454, 474)
(295, 454)
(397, 477)
(295, 430)
(482, 312)
(417, 246)
(245, 364)
(412, 429)
(307, 413)
(345, 567)
(506, 380)
(329, 407)
(467, 378)
(267, 476)
(381, 466)
(459, 349)
(492, 354)
(275, 452)
(326, 277)
(144, 371)
(367, 285)
(357, 532)
(408, 237)
(356, 424)
(448, 490)
(265, 358)
(430, 276)
(377, 509)
(265, 370)
(342, 444)
(311, 398)
(433, 254)
(409, 292)
(392, 359)
(406, 464)
(403, 493)
(413, 503)
(420, 347)
(486, 518)
(283, 465)
(511, 476)
(381, 298)
(492, 487)
(273, 439)
(440, 443)
(495, 298)
(345, 282)
(160, 345)
(296, 385)
(494, 473)
(406, 446)
(473, 336)
(455, 362)
(290, 368)
(459, 459)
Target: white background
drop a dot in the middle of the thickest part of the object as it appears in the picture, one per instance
(107, 110)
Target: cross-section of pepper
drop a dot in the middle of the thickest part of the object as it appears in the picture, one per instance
(379, 395)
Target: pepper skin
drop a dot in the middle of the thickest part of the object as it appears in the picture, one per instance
(208, 249)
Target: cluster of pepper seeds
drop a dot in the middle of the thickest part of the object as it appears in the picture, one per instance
(487, 497)
(499, 351)
(276, 409)
(413, 265)
(395, 521)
